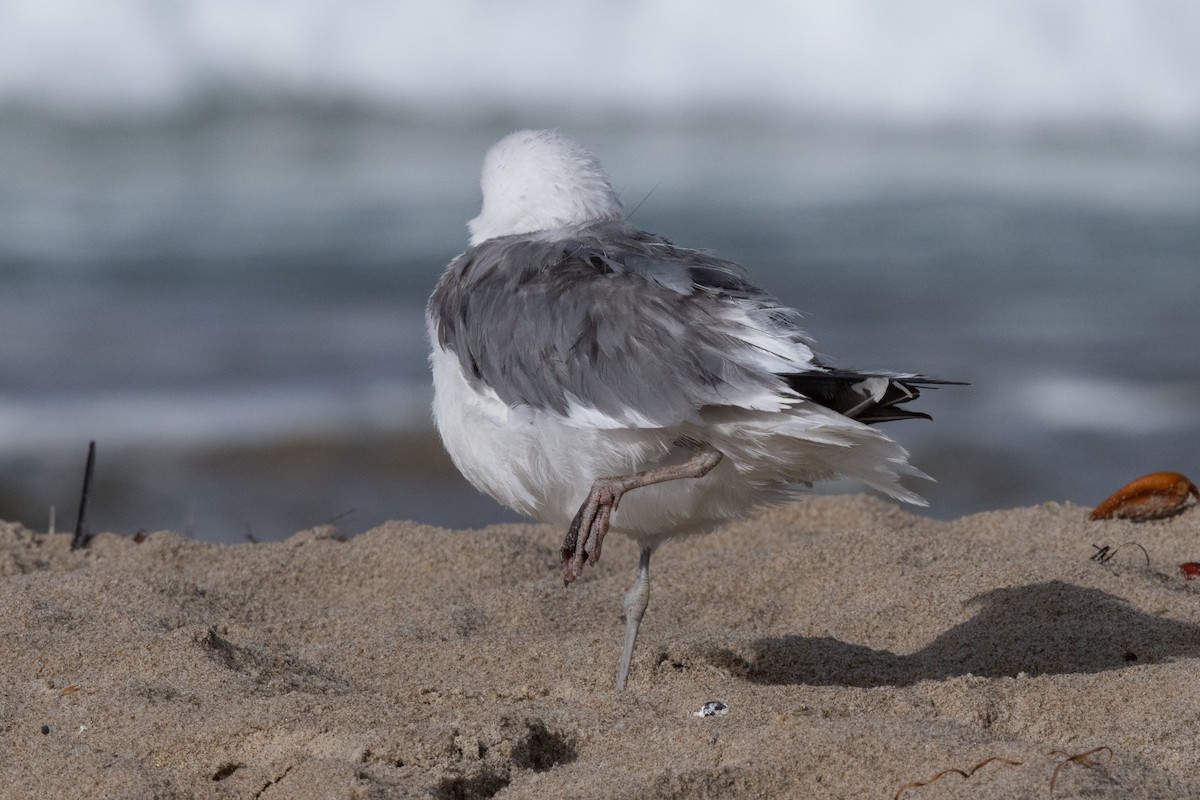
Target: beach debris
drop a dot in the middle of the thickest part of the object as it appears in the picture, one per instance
(1153, 496)
(955, 771)
(45, 730)
(339, 517)
(713, 708)
(1190, 569)
(1085, 758)
(1105, 554)
(82, 537)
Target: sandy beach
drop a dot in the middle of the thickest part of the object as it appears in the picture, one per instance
(859, 650)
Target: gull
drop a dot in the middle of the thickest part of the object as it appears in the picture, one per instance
(600, 378)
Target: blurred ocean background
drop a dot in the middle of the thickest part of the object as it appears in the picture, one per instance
(220, 220)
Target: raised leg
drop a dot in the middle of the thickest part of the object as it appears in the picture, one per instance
(635, 608)
(586, 534)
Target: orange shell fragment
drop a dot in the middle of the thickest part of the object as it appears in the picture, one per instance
(1153, 496)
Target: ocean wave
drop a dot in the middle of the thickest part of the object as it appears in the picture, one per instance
(200, 419)
(1108, 406)
(997, 62)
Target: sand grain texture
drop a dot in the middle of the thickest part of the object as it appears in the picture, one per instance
(859, 649)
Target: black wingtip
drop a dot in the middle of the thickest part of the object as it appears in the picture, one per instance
(851, 393)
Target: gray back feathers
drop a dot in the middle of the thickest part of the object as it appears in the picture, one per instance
(611, 318)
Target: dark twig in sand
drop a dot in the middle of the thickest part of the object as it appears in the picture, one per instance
(82, 537)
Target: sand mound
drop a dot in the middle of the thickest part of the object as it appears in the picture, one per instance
(858, 649)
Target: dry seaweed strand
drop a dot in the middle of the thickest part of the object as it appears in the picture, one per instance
(1084, 758)
(1138, 546)
(1119, 548)
(956, 771)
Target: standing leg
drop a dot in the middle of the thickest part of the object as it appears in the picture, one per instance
(635, 608)
(590, 525)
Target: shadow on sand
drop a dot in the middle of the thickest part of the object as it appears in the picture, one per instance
(1040, 629)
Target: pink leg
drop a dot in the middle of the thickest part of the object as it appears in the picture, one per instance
(586, 534)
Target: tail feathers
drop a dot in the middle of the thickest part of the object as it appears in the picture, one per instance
(868, 398)
(888, 482)
(885, 476)
(820, 445)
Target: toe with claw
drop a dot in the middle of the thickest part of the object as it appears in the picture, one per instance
(586, 535)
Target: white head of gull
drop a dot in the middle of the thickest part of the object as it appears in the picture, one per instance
(595, 376)
(541, 181)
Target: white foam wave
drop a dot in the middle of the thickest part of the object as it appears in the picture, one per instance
(1009, 62)
(1109, 406)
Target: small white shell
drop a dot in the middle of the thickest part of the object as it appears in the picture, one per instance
(713, 708)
